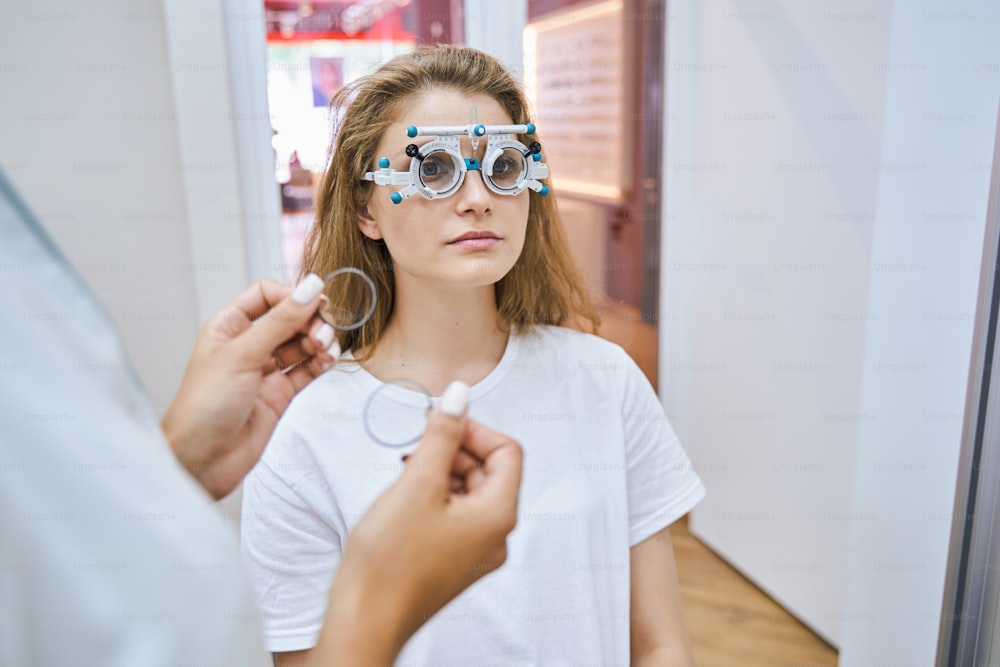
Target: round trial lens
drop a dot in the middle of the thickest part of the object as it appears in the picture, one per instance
(352, 297)
(395, 414)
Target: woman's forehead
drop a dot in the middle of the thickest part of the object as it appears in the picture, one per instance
(444, 106)
(447, 108)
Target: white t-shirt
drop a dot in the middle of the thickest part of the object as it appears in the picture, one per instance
(603, 470)
(110, 554)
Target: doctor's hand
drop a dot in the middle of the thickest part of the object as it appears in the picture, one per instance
(234, 390)
(423, 541)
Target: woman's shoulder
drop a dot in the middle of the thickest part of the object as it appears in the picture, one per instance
(563, 355)
(570, 341)
(562, 347)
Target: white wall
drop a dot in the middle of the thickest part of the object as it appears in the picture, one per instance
(91, 142)
(770, 197)
(937, 149)
(788, 218)
(117, 129)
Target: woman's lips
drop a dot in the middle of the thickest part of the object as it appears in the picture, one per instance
(480, 243)
(476, 240)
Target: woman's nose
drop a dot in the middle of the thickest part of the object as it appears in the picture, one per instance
(473, 196)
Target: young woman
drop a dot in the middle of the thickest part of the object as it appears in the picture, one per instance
(475, 283)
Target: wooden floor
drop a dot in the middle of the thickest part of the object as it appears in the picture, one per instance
(731, 622)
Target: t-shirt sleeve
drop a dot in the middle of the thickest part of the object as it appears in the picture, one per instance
(662, 483)
(290, 551)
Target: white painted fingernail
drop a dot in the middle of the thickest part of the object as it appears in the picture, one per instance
(454, 399)
(333, 349)
(324, 335)
(307, 289)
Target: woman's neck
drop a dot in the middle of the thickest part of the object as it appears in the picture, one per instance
(439, 334)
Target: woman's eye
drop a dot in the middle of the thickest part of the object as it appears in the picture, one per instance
(503, 166)
(437, 171)
(507, 169)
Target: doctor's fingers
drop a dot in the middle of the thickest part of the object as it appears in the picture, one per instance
(481, 442)
(497, 482)
(321, 341)
(464, 463)
(430, 466)
(285, 385)
(279, 324)
(265, 294)
(255, 301)
(260, 297)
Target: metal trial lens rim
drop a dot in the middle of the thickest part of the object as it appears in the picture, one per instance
(405, 383)
(371, 288)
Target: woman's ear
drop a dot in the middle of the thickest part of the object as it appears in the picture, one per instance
(367, 224)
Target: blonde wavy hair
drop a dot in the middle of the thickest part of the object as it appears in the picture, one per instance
(544, 287)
